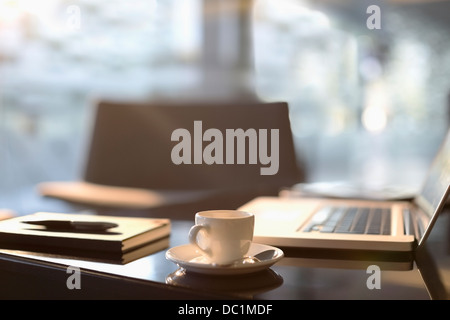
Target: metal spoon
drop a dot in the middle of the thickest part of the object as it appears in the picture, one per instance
(263, 255)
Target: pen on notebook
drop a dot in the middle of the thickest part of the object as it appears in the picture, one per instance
(74, 225)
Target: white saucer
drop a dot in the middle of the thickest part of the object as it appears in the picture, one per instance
(190, 258)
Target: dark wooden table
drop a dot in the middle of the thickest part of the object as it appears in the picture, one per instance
(302, 274)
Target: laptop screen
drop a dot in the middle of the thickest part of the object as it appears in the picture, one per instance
(438, 179)
(436, 187)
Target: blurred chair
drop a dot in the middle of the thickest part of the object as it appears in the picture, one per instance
(129, 162)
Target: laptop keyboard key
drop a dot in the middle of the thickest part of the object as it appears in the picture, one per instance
(375, 222)
(361, 222)
(333, 220)
(386, 222)
(347, 221)
(319, 219)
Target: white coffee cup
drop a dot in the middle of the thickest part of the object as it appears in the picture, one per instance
(223, 236)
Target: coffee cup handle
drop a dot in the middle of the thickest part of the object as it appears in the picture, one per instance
(193, 232)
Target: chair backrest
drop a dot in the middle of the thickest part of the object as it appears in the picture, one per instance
(136, 145)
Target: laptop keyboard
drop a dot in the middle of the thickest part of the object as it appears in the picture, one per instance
(357, 220)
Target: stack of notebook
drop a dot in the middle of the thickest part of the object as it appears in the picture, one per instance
(102, 238)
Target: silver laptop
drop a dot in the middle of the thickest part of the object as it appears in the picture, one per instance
(354, 224)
